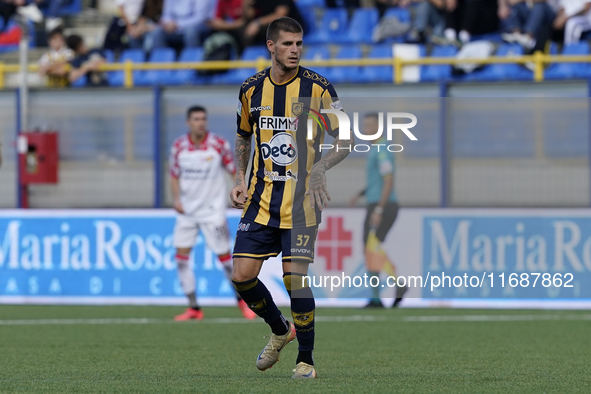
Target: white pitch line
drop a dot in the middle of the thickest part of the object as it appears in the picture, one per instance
(488, 318)
(328, 319)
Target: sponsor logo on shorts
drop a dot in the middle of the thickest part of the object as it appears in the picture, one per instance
(243, 226)
(281, 149)
(299, 250)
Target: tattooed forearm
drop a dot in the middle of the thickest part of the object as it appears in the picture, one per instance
(241, 156)
(341, 149)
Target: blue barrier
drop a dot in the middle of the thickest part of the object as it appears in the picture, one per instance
(100, 256)
(501, 256)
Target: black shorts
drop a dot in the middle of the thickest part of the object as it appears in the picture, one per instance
(388, 218)
(257, 241)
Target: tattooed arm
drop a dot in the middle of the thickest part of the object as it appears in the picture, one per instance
(239, 193)
(317, 189)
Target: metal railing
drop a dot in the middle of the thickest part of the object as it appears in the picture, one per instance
(538, 59)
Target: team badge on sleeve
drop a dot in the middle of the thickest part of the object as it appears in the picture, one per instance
(239, 108)
(337, 105)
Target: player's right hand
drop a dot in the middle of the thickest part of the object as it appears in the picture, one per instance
(239, 195)
(178, 207)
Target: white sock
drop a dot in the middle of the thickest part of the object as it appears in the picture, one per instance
(186, 274)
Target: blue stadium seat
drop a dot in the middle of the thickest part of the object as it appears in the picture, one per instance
(240, 74)
(79, 83)
(73, 8)
(317, 52)
(311, 3)
(403, 14)
(109, 55)
(377, 73)
(494, 37)
(360, 28)
(155, 77)
(345, 73)
(570, 70)
(436, 73)
(183, 77)
(116, 78)
(496, 72)
(333, 24)
(309, 16)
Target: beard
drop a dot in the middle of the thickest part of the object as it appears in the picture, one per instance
(285, 67)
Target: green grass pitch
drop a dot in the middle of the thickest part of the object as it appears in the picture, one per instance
(139, 349)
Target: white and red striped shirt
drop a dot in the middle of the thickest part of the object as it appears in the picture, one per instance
(199, 169)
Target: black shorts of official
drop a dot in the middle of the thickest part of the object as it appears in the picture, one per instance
(388, 218)
(257, 241)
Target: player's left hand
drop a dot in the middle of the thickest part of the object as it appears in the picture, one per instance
(239, 195)
(317, 189)
(375, 220)
(178, 207)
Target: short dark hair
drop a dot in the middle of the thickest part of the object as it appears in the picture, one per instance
(374, 115)
(55, 32)
(195, 108)
(284, 23)
(74, 41)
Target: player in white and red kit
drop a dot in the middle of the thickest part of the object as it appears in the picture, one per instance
(198, 161)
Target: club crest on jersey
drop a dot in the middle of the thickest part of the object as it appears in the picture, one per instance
(281, 149)
(297, 108)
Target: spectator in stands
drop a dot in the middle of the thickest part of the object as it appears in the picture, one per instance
(528, 25)
(183, 22)
(53, 63)
(9, 8)
(260, 13)
(465, 18)
(146, 23)
(127, 27)
(86, 63)
(428, 19)
(51, 9)
(226, 25)
(575, 17)
(228, 17)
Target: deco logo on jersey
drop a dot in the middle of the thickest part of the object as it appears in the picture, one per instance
(281, 149)
(278, 123)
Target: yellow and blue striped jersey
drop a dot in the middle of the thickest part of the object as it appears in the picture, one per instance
(277, 115)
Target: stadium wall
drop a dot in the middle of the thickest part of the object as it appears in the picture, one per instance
(127, 257)
(509, 144)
